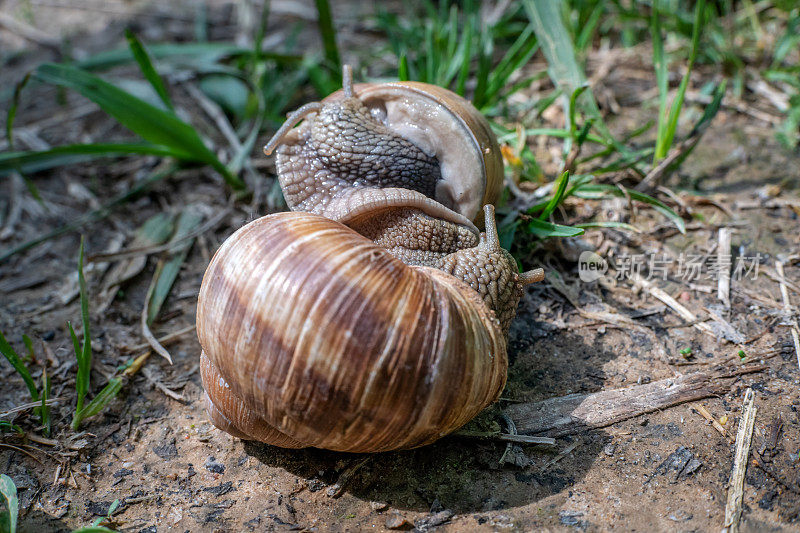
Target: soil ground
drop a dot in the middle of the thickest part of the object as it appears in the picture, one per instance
(173, 471)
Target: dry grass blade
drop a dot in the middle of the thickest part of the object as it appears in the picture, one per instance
(733, 509)
(714, 422)
(164, 277)
(561, 455)
(26, 406)
(148, 335)
(506, 437)
(724, 259)
(28, 32)
(787, 307)
(673, 304)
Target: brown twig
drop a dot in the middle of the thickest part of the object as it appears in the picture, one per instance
(723, 261)
(733, 509)
(673, 304)
(787, 307)
(575, 413)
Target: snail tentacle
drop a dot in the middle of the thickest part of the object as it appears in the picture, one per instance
(347, 80)
(531, 276)
(291, 121)
(492, 240)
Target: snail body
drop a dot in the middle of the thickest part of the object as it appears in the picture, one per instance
(375, 316)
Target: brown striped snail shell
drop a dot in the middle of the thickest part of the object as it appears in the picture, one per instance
(325, 339)
(377, 320)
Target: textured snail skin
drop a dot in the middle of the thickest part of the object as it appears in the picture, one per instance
(415, 237)
(478, 149)
(343, 148)
(334, 343)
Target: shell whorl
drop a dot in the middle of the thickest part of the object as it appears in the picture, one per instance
(337, 344)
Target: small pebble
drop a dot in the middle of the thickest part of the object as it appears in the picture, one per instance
(395, 521)
(213, 466)
(379, 506)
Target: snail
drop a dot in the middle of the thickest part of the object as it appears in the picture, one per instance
(373, 316)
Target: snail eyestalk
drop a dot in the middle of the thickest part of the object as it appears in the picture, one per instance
(291, 121)
(531, 276)
(347, 80)
(492, 239)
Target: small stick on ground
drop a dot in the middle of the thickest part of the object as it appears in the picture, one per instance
(575, 413)
(561, 455)
(28, 32)
(166, 339)
(337, 489)
(787, 307)
(673, 304)
(775, 277)
(724, 264)
(512, 429)
(733, 509)
(506, 437)
(708, 416)
(163, 388)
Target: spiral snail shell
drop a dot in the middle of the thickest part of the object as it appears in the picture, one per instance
(374, 317)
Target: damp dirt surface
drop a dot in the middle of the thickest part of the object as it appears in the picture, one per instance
(154, 450)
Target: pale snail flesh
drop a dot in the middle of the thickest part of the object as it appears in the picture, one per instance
(344, 338)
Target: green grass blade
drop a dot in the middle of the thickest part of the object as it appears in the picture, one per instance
(584, 38)
(328, 34)
(8, 427)
(35, 161)
(12, 111)
(544, 230)
(103, 398)
(660, 65)
(207, 52)
(76, 345)
(152, 124)
(187, 222)
(44, 409)
(562, 64)
(465, 59)
(561, 188)
(146, 65)
(552, 132)
(577, 181)
(19, 366)
(29, 348)
(10, 509)
(711, 109)
(596, 191)
(664, 141)
(608, 224)
(518, 55)
(84, 356)
(572, 125)
(402, 68)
